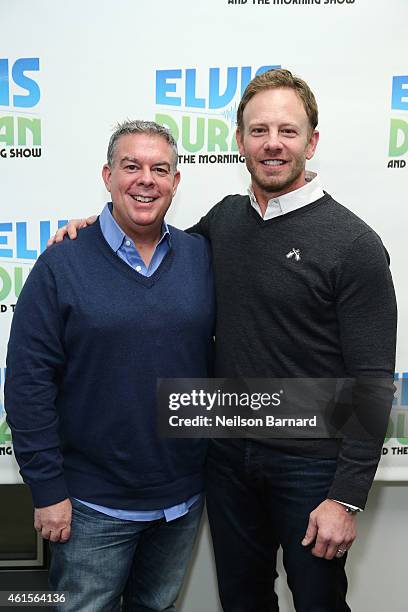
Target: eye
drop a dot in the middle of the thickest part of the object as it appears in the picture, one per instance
(161, 171)
(131, 167)
(288, 131)
(256, 131)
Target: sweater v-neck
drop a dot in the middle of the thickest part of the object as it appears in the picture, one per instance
(294, 213)
(128, 271)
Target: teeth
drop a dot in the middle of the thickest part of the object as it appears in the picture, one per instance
(273, 162)
(139, 198)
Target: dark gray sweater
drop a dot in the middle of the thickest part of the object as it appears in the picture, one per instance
(326, 311)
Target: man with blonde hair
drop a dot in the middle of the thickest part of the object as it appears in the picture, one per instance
(303, 291)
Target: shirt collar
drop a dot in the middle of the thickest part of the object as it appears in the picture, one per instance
(113, 233)
(308, 193)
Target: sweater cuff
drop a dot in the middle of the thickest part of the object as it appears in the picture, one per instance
(49, 492)
(348, 494)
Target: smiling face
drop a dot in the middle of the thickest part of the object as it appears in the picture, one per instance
(141, 182)
(276, 141)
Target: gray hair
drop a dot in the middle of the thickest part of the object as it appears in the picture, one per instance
(141, 127)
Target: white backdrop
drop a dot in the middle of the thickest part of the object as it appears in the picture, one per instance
(70, 71)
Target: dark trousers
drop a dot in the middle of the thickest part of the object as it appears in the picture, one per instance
(260, 498)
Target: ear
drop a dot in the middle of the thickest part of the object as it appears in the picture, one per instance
(176, 182)
(106, 175)
(311, 147)
(239, 137)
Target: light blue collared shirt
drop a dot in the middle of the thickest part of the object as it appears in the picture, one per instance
(125, 248)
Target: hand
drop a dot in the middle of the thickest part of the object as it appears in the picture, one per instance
(332, 528)
(54, 522)
(71, 229)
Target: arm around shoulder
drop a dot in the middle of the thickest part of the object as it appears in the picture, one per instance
(204, 226)
(71, 229)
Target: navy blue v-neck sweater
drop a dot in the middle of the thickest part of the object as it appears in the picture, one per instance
(89, 339)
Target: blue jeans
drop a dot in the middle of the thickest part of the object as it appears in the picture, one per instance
(258, 499)
(94, 565)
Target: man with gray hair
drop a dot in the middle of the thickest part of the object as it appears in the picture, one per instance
(99, 320)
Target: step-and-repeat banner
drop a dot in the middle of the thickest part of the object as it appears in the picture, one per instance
(70, 70)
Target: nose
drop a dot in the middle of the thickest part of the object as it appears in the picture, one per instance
(272, 141)
(145, 177)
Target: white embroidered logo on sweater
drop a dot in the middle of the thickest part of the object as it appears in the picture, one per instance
(294, 253)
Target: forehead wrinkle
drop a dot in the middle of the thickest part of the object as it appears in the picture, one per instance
(275, 106)
(133, 159)
(280, 121)
(128, 158)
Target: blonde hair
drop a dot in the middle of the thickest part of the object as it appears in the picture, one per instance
(273, 79)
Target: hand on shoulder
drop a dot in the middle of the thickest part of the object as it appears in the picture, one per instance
(71, 229)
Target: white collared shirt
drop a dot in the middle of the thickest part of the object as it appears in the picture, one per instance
(310, 192)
